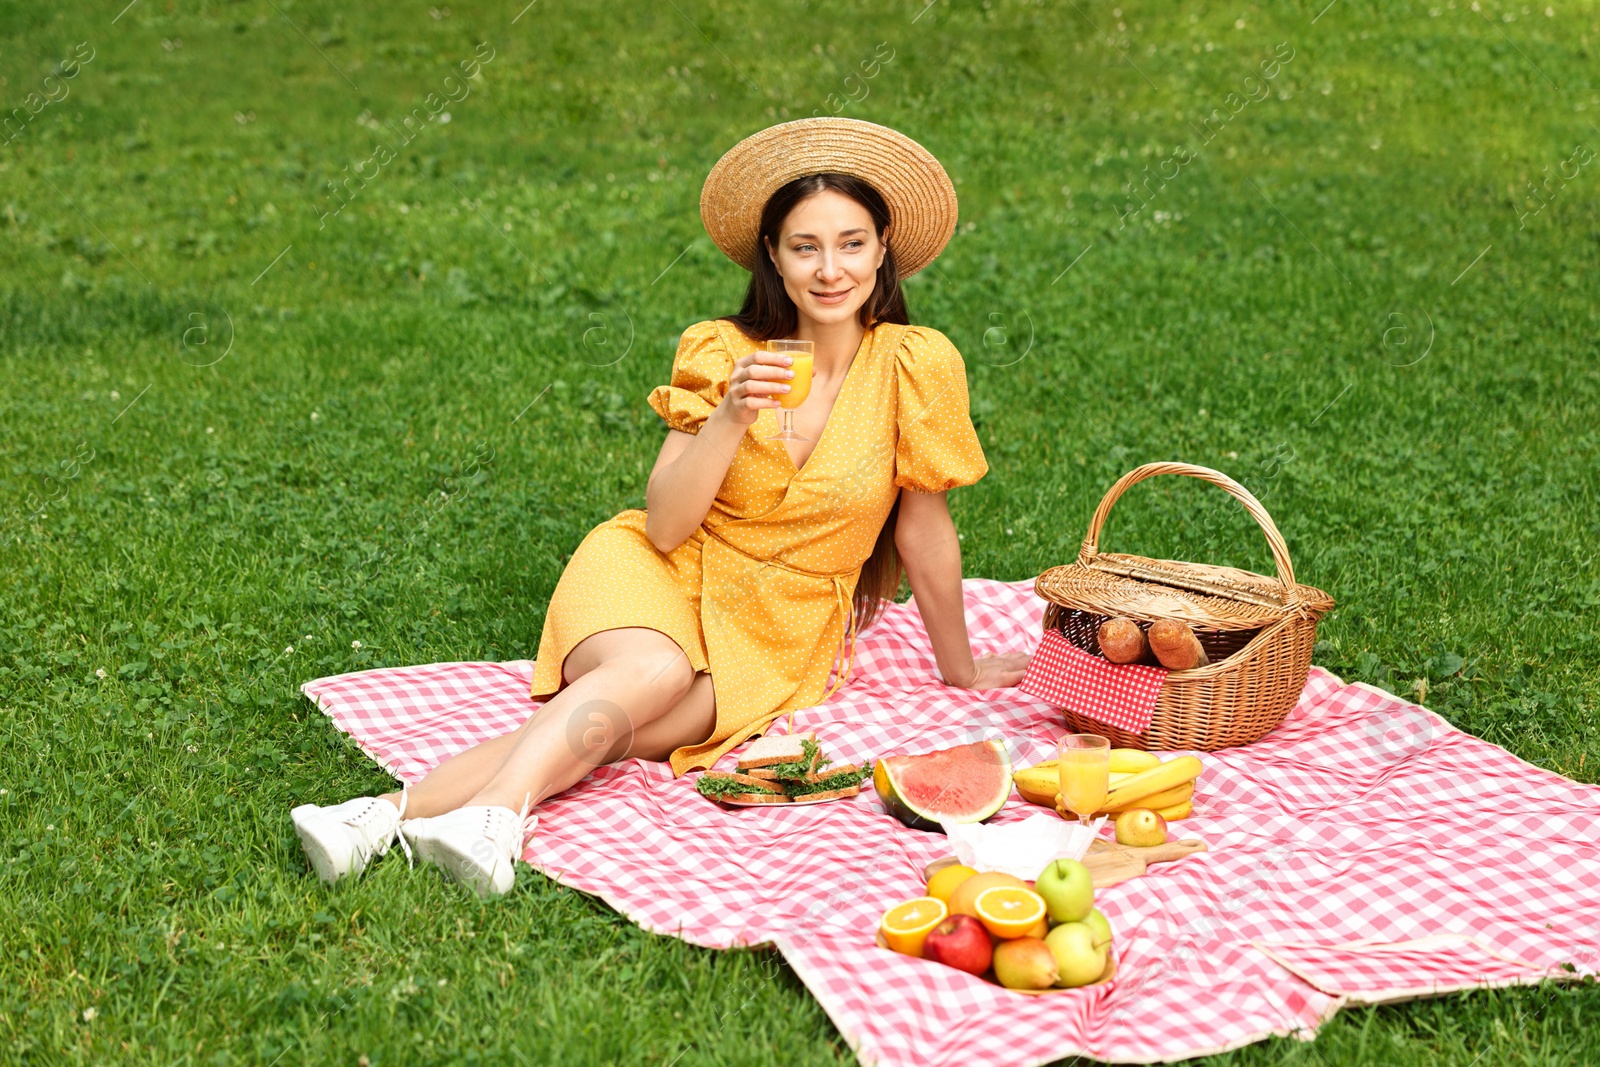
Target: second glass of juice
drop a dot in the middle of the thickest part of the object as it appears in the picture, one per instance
(799, 386)
(1084, 766)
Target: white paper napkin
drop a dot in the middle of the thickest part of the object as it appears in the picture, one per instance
(1020, 849)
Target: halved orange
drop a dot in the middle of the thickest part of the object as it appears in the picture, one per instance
(906, 926)
(1007, 911)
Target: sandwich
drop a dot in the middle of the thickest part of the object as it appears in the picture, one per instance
(783, 768)
(740, 788)
(830, 784)
(783, 757)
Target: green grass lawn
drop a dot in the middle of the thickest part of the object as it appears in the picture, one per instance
(243, 414)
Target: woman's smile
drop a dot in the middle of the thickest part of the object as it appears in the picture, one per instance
(836, 296)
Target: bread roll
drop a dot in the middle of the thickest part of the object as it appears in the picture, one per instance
(1121, 641)
(1176, 646)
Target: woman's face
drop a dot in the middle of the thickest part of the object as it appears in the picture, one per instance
(828, 255)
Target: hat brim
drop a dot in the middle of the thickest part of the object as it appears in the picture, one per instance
(920, 195)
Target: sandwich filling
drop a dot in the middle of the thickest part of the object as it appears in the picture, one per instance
(830, 781)
(716, 784)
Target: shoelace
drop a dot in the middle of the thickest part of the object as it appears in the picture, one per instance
(405, 846)
(522, 830)
(522, 825)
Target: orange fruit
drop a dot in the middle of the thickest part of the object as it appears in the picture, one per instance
(944, 881)
(906, 926)
(966, 894)
(1008, 911)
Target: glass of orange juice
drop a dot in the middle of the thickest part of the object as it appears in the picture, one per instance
(799, 386)
(1084, 766)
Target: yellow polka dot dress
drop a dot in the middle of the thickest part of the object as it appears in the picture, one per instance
(760, 594)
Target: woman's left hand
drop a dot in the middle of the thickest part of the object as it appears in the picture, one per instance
(996, 672)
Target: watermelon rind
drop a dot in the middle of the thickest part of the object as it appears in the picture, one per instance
(923, 815)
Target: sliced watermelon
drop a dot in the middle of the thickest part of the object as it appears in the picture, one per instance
(964, 784)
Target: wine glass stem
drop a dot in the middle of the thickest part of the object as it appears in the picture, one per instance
(788, 420)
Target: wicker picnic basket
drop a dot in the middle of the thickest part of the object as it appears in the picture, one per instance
(1257, 631)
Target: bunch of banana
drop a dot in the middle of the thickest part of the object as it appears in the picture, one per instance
(1138, 780)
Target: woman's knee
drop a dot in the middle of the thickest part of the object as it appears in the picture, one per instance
(636, 656)
(666, 671)
(646, 661)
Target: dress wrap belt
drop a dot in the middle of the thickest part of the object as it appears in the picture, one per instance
(846, 605)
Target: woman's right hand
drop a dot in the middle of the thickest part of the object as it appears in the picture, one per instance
(756, 382)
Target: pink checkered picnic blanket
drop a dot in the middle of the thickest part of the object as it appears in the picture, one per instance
(1364, 851)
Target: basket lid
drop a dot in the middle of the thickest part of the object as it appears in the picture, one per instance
(1150, 590)
(1212, 597)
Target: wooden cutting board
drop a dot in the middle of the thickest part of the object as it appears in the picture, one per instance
(1110, 863)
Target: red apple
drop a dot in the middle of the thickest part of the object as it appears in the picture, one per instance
(960, 942)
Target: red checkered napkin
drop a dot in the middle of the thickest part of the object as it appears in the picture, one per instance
(1118, 694)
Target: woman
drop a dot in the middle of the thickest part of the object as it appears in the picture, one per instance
(683, 630)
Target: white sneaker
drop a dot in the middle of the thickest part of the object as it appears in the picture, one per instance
(478, 846)
(342, 839)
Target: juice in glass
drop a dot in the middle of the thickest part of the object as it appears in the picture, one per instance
(802, 353)
(800, 384)
(1084, 767)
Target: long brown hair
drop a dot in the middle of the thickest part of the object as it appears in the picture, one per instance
(768, 312)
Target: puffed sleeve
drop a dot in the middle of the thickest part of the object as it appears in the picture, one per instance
(699, 379)
(938, 447)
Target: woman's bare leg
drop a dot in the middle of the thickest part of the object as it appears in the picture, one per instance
(689, 722)
(612, 716)
(454, 782)
(631, 678)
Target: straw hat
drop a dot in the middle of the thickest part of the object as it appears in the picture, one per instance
(921, 198)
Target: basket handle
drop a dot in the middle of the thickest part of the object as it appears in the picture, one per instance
(1280, 550)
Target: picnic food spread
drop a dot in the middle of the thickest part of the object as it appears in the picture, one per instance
(783, 769)
(1031, 937)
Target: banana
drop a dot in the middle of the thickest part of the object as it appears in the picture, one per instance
(1038, 785)
(1132, 760)
(1172, 773)
(1041, 783)
(1178, 794)
(1123, 761)
(1171, 813)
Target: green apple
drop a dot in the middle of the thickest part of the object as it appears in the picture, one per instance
(1067, 889)
(1101, 927)
(1078, 960)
